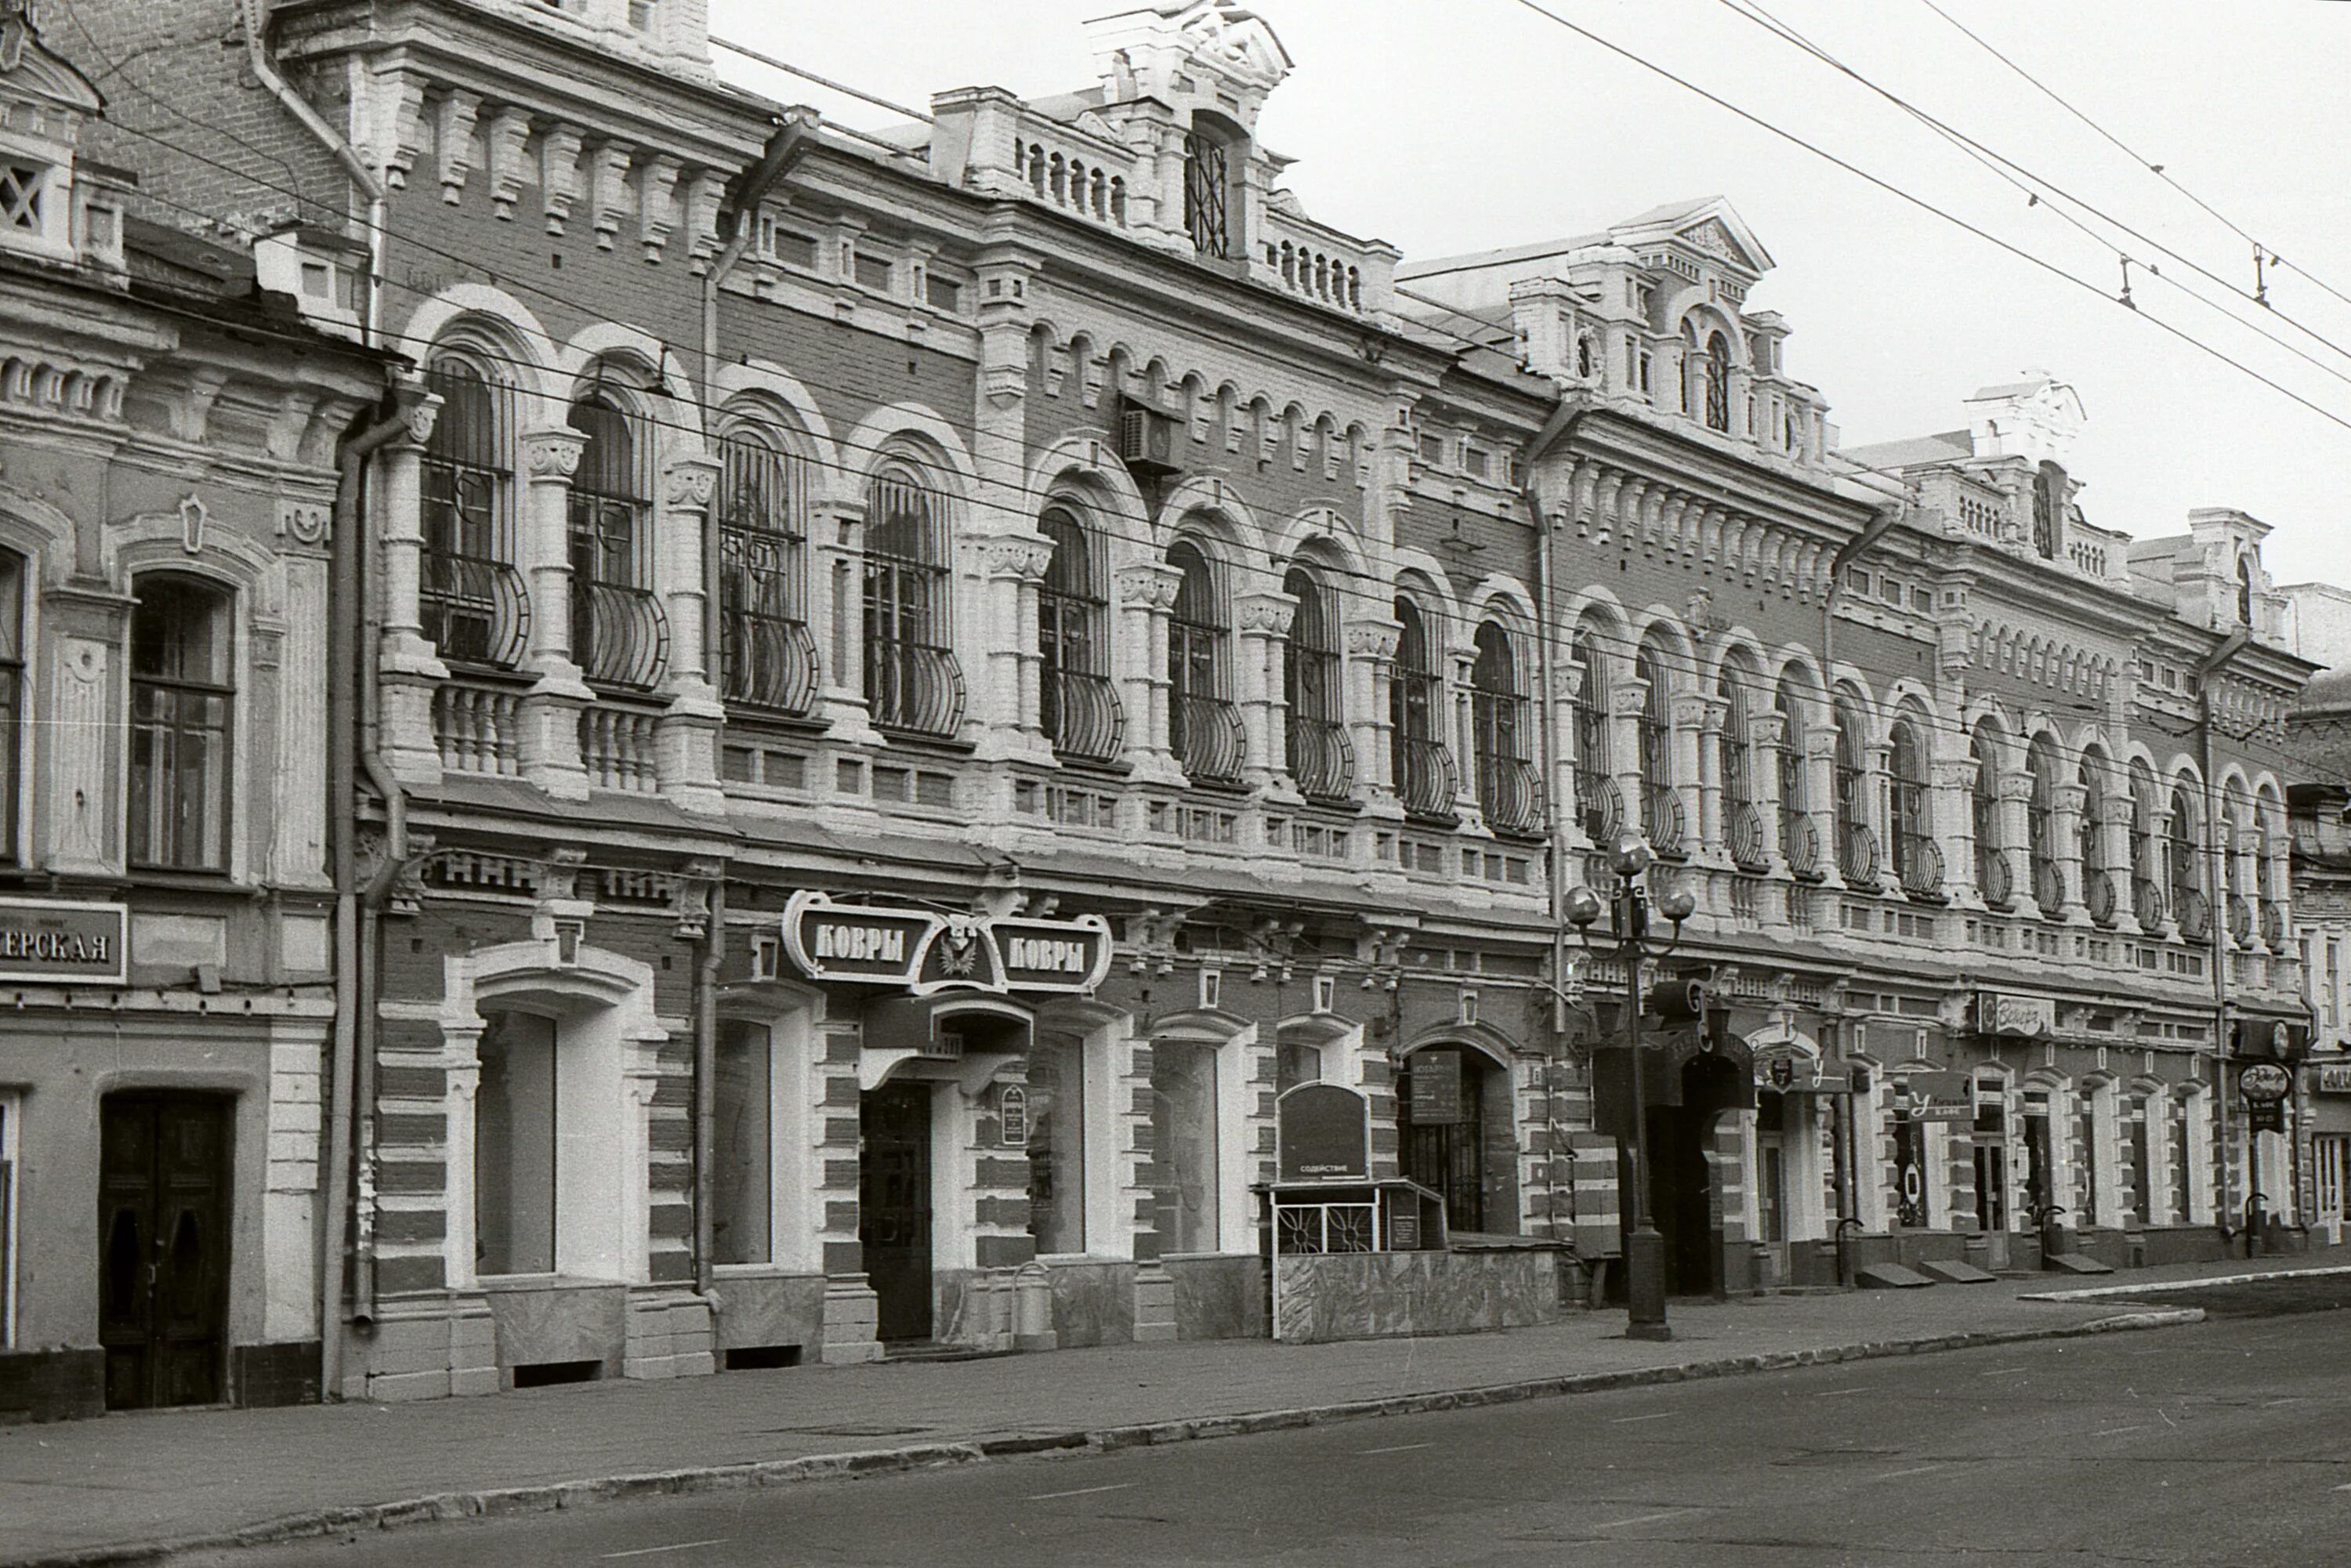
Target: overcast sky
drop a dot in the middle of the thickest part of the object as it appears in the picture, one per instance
(1475, 124)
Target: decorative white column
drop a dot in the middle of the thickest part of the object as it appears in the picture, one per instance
(1146, 597)
(551, 709)
(1010, 701)
(2066, 831)
(1954, 809)
(408, 667)
(1767, 737)
(2015, 814)
(1262, 621)
(1370, 683)
(1690, 719)
(837, 618)
(688, 735)
(1821, 793)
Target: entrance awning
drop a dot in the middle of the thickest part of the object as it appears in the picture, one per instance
(1686, 1067)
(963, 1035)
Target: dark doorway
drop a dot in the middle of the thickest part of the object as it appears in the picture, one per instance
(162, 1240)
(1441, 1128)
(1683, 1203)
(893, 1207)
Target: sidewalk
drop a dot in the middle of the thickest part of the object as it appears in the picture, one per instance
(95, 1490)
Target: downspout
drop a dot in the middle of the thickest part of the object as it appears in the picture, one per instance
(336, 1176)
(253, 15)
(1853, 549)
(2216, 860)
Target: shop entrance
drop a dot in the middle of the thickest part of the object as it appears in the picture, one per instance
(162, 1240)
(1442, 1126)
(893, 1206)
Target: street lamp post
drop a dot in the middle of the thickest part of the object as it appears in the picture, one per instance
(1644, 1250)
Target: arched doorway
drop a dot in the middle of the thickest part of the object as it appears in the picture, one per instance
(1693, 1077)
(1456, 1135)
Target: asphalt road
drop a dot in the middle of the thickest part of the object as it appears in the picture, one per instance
(2228, 1442)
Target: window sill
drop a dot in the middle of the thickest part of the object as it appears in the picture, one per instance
(157, 880)
(504, 1282)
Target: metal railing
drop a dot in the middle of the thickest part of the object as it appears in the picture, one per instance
(912, 686)
(1425, 782)
(1207, 736)
(2147, 904)
(1599, 806)
(767, 660)
(1746, 838)
(2048, 887)
(2194, 913)
(1079, 713)
(1858, 855)
(2273, 925)
(1995, 879)
(1802, 844)
(2099, 895)
(1321, 758)
(2240, 920)
(1661, 821)
(1509, 793)
(1919, 865)
(619, 634)
(476, 611)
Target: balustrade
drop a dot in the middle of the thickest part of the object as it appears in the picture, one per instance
(2147, 904)
(2099, 895)
(616, 746)
(477, 727)
(2194, 912)
(2049, 888)
(1599, 806)
(2240, 920)
(1803, 847)
(1509, 792)
(1996, 880)
(1857, 855)
(2273, 925)
(1661, 821)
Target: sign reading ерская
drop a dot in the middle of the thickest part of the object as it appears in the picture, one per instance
(55, 941)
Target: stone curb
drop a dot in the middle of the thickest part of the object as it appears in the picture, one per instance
(507, 1501)
(2097, 1292)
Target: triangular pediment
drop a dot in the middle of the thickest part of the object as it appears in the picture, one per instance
(1233, 39)
(1711, 227)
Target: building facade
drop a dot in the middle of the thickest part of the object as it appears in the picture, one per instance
(168, 481)
(920, 681)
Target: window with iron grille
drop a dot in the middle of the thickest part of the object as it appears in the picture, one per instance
(1509, 793)
(618, 635)
(911, 682)
(1852, 778)
(1207, 177)
(1984, 806)
(1717, 383)
(1422, 766)
(1317, 751)
(470, 598)
(2180, 842)
(1907, 807)
(2094, 815)
(2041, 811)
(1737, 787)
(1078, 706)
(23, 190)
(1654, 735)
(182, 692)
(11, 697)
(1203, 729)
(1795, 800)
(766, 657)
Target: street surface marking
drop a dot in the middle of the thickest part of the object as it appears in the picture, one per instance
(1398, 1448)
(1840, 1392)
(1647, 1518)
(2344, 1486)
(681, 1546)
(2002, 1370)
(1082, 1491)
(1659, 1415)
(2111, 1431)
(1913, 1470)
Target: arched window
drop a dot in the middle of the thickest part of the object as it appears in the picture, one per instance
(912, 680)
(766, 657)
(1509, 791)
(1077, 704)
(470, 598)
(1425, 778)
(1742, 824)
(1207, 185)
(1917, 857)
(12, 699)
(1661, 803)
(1320, 761)
(2048, 510)
(1718, 383)
(181, 692)
(2183, 870)
(2147, 878)
(1584, 364)
(2041, 826)
(1597, 802)
(2097, 887)
(619, 634)
(2244, 590)
(1995, 878)
(1689, 364)
(1856, 843)
(1799, 841)
(1203, 728)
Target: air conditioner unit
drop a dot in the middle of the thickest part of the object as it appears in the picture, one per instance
(1146, 439)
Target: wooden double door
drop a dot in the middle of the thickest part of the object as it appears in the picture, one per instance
(164, 1248)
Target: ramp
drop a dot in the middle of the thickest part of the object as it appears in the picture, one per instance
(2075, 1263)
(1952, 1271)
(1889, 1277)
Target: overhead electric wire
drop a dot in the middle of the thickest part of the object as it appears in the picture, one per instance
(731, 47)
(2044, 190)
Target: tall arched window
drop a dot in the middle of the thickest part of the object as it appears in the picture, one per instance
(912, 680)
(1203, 728)
(1995, 878)
(766, 657)
(2048, 510)
(1422, 766)
(1320, 761)
(2183, 870)
(1917, 857)
(1509, 790)
(1597, 803)
(2244, 590)
(471, 600)
(2040, 827)
(619, 634)
(1742, 825)
(1661, 803)
(2272, 914)
(1857, 858)
(12, 699)
(1799, 839)
(2098, 883)
(2146, 875)
(181, 692)
(1718, 383)
(1207, 186)
(1077, 704)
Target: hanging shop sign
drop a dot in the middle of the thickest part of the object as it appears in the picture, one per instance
(1322, 1132)
(59, 942)
(924, 951)
(2334, 1078)
(1933, 1094)
(2001, 1012)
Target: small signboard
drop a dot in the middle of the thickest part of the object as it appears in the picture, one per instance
(2263, 1087)
(63, 942)
(2003, 1013)
(924, 951)
(2334, 1078)
(1012, 1116)
(1436, 1087)
(1932, 1095)
(1322, 1133)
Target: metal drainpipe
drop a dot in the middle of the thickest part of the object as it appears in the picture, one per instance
(706, 1084)
(337, 1176)
(2215, 859)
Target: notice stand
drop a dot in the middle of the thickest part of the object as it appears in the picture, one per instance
(1324, 1198)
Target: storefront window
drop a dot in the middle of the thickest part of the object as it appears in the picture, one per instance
(740, 1144)
(1184, 1147)
(1057, 1146)
(1910, 1171)
(2142, 1162)
(8, 1222)
(1991, 1154)
(514, 1147)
